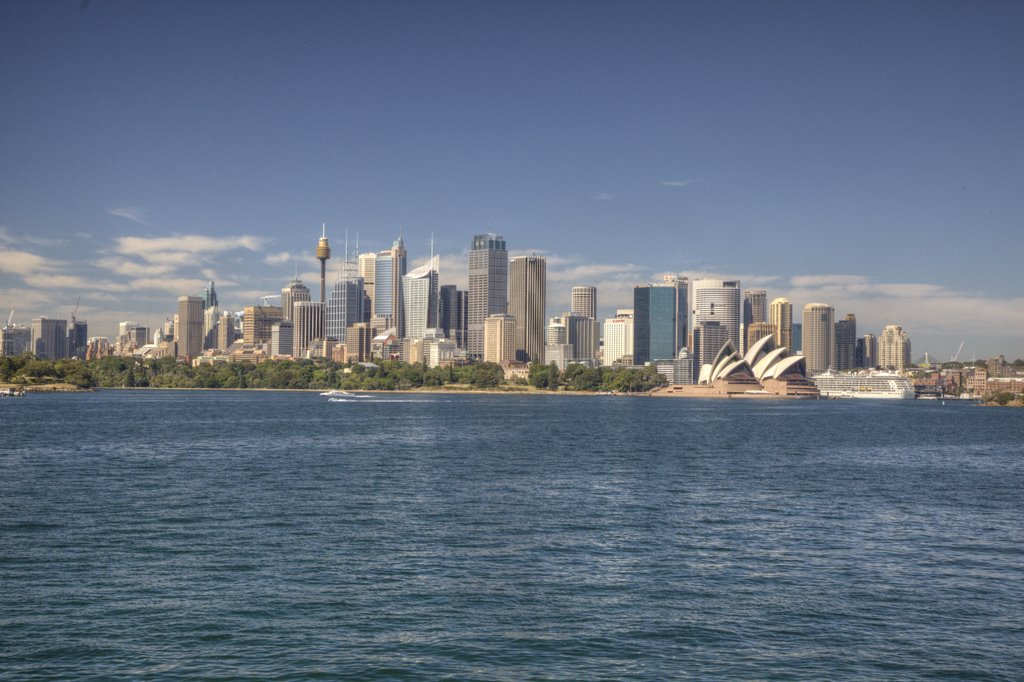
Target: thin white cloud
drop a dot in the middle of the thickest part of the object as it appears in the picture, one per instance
(132, 213)
(128, 268)
(677, 183)
(603, 196)
(51, 282)
(9, 237)
(277, 258)
(24, 263)
(178, 286)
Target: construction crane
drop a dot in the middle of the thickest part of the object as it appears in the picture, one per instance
(10, 319)
(265, 300)
(956, 355)
(75, 311)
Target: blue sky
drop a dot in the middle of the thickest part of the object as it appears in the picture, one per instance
(869, 155)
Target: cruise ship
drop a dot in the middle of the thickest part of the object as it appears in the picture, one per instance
(871, 384)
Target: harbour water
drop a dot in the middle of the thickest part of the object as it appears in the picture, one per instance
(166, 534)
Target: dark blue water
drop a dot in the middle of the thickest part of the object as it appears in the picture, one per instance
(157, 534)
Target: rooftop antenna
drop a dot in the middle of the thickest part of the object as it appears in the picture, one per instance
(431, 247)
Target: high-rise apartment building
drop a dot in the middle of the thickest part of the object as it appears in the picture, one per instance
(226, 330)
(894, 348)
(420, 294)
(584, 301)
(819, 332)
(500, 338)
(308, 324)
(488, 287)
(708, 338)
(618, 338)
(49, 338)
(453, 307)
(659, 320)
(846, 343)
(189, 330)
(345, 303)
(582, 334)
(780, 317)
(294, 291)
(388, 300)
(716, 300)
(757, 331)
(78, 338)
(868, 347)
(527, 304)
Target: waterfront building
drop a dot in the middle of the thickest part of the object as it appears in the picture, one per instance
(49, 338)
(716, 300)
(584, 301)
(500, 338)
(780, 317)
(293, 291)
(345, 304)
(527, 304)
(420, 295)
(659, 320)
(188, 331)
(894, 348)
(559, 354)
(452, 313)
(708, 338)
(618, 338)
(488, 287)
(755, 311)
(308, 326)
(819, 332)
(846, 343)
(388, 302)
(257, 321)
(367, 270)
(583, 334)
(282, 338)
(557, 333)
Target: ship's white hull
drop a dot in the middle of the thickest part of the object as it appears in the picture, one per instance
(869, 385)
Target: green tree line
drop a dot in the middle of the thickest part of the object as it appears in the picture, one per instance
(118, 372)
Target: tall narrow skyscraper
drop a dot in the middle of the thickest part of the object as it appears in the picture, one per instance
(894, 348)
(323, 252)
(658, 331)
(819, 337)
(388, 300)
(189, 330)
(488, 287)
(584, 301)
(345, 304)
(846, 343)
(528, 303)
(451, 314)
(307, 326)
(419, 292)
(780, 317)
(755, 309)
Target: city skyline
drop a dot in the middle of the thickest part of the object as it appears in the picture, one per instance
(862, 167)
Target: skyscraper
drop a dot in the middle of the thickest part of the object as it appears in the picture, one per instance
(452, 310)
(780, 317)
(421, 299)
(49, 338)
(189, 330)
(367, 270)
(708, 338)
(716, 300)
(389, 269)
(209, 296)
(582, 334)
(257, 321)
(846, 343)
(819, 332)
(307, 326)
(894, 348)
(869, 351)
(755, 309)
(618, 337)
(78, 338)
(323, 252)
(294, 291)
(488, 287)
(584, 301)
(499, 338)
(345, 304)
(528, 303)
(659, 325)
(282, 338)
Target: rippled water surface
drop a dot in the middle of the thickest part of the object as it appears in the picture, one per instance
(278, 535)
